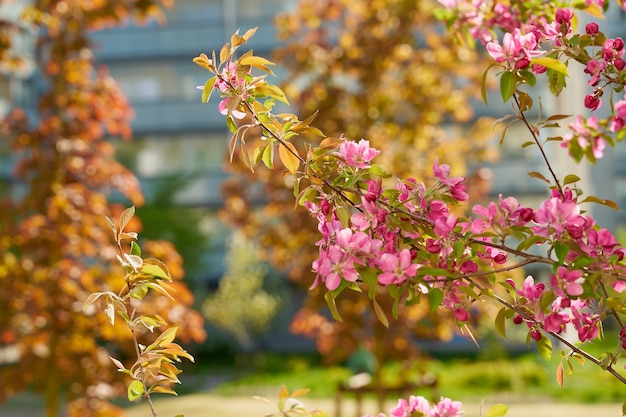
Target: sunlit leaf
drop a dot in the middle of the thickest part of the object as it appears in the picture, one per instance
(209, 85)
(500, 322)
(380, 314)
(288, 156)
(135, 390)
(553, 64)
(125, 217)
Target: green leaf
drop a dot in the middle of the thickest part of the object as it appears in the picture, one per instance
(435, 298)
(483, 84)
(134, 249)
(544, 347)
(271, 91)
(208, 89)
(553, 64)
(166, 337)
(624, 408)
(570, 179)
(508, 82)
(497, 410)
(330, 300)
(608, 203)
(155, 270)
(268, 156)
(561, 250)
(500, 322)
(135, 390)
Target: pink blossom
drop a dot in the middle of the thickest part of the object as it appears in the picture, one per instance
(396, 268)
(566, 282)
(531, 291)
(357, 155)
(555, 322)
(554, 216)
(585, 324)
(447, 408)
(515, 46)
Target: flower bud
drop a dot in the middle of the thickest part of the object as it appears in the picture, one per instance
(563, 16)
(536, 335)
(518, 319)
(522, 63)
(592, 102)
(592, 28)
(619, 64)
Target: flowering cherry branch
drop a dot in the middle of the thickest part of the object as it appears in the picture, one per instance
(403, 237)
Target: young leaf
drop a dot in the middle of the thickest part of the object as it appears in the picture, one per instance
(560, 374)
(330, 300)
(135, 390)
(570, 179)
(208, 89)
(134, 249)
(380, 314)
(544, 347)
(155, 270)
(125, 217)
(166, 337)
(483, 84)
(539, 176)
(500, 322)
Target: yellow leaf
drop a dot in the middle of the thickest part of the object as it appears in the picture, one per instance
(551, 63)
(288, 156)
(595, 11)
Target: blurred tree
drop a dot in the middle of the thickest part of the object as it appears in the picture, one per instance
(55, 245)
(382, 69)
(240, 306)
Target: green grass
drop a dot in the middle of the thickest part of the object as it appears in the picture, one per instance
(465, 379)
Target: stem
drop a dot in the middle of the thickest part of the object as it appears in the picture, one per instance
(536, 139)
(131, 313)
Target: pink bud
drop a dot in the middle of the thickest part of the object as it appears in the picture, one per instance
(461, 315)
(592, 28)
(518, 319)
(535, 334)
(592, 102)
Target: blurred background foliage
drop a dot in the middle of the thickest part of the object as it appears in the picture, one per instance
(55, 245)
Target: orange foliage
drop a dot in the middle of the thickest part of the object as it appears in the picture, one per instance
(55, 245)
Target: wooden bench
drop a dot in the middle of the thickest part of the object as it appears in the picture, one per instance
(359, 386)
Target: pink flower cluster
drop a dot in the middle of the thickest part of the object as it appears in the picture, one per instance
(586, 133)
(226, 82)
(517, 49)
(416, 405)
(357, 155)
(579, 313)
(608, 61)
